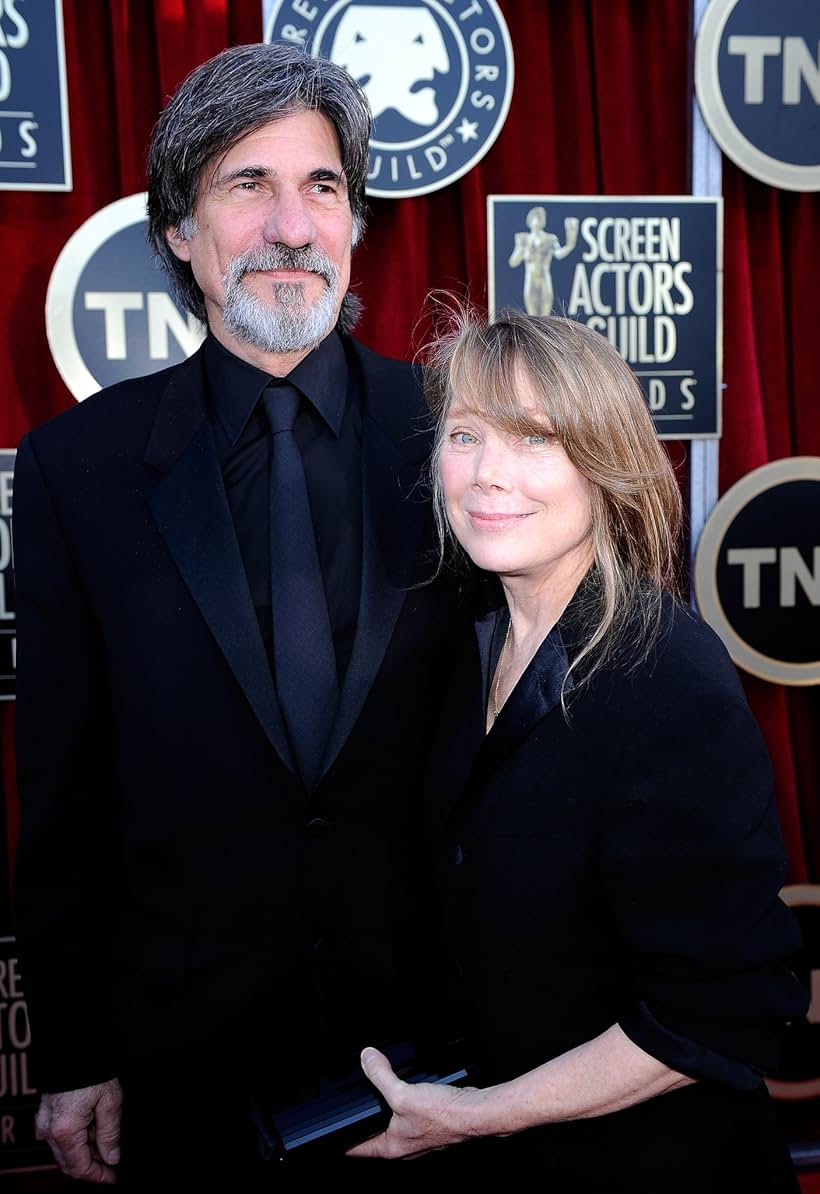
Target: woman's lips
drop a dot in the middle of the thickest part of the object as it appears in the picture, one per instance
(496, 521)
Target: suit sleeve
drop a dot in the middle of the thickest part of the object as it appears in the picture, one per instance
(65, 781)
(694, 862)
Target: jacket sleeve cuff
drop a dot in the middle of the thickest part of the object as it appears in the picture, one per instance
(685, 1055)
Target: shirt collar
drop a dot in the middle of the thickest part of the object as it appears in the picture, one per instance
(236, 385)
(539, 689)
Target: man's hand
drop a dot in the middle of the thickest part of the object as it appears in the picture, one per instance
(82, 1128)
(426, 1116)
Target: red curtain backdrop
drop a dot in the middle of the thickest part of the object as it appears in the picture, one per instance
(601, 105)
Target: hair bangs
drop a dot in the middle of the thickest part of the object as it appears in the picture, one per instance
(490, 378)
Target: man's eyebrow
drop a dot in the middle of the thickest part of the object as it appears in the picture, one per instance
(220, 180)
(320, 174)
(325, 174)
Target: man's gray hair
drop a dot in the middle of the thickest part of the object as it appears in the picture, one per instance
(220, 102)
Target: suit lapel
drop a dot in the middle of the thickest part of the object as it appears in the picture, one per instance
(461, 736)
(192, 514)
(393, 517)
(521, 714)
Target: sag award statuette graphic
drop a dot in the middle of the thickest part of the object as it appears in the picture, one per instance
(438, 78)
(536, 249)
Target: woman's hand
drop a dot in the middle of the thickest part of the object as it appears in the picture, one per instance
(606, 1074)
(426, 1116)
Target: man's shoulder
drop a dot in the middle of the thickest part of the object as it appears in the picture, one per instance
(379, 369)
(393, 394)
(116, 411)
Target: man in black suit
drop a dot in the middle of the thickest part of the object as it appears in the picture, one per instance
(222, 713)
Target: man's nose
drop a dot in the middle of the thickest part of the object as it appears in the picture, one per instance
(288, 220)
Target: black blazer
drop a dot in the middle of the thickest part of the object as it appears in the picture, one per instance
(620, 866)
(173, 879)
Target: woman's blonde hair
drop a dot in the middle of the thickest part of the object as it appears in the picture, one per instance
(592, 403)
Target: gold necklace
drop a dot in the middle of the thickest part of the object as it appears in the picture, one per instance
(498, 670)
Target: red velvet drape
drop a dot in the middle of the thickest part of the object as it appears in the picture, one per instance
(602, 104)
(771, 410)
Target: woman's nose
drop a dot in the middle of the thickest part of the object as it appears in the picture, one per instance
(492, 466)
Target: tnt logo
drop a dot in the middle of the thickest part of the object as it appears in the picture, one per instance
(109, 312)
(798, 1076)
(757, 571)
(757, 76)
(438, 79)
(793, 574)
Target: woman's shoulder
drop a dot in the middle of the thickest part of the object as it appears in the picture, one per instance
(684, 706)
(687, 646)
(684, 664)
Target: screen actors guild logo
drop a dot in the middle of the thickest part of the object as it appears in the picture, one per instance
(396, 59)
(645, 271)
(438, 78)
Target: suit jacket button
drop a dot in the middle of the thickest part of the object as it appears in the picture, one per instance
(316, 827)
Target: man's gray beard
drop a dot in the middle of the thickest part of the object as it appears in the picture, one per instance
(287, 323)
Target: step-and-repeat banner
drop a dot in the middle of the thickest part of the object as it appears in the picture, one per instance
(644, 271)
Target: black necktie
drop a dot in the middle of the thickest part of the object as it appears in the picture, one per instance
(304, 658)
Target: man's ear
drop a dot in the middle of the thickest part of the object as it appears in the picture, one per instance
(180, 247)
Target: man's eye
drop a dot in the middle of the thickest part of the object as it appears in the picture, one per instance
(463, 437)
(324, 188)
(535, 440)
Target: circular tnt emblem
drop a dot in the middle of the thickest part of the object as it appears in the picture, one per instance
(798, 1076)
(757, 571)
(757, 80)
(109, 312)
(438, 78)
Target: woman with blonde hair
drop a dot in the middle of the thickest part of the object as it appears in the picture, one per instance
(609, 855)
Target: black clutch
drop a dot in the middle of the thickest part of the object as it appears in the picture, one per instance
(347, 1111)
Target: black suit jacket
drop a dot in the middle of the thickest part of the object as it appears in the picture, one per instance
(176, 888)
(622, 865)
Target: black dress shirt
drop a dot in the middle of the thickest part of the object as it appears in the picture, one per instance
(328, 430)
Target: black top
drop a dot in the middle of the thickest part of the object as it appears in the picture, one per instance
(536, 695)
(619, 864)
(328, 430)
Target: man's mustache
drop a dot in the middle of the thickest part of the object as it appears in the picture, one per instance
(278, 256)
